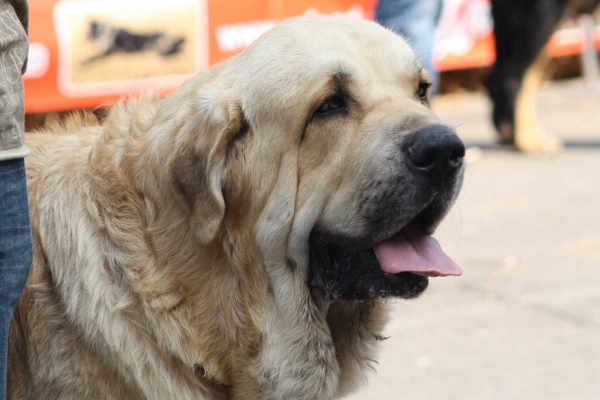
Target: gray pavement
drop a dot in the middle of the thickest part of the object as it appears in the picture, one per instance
(523, 322)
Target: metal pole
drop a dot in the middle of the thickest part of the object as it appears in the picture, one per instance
(589, 56)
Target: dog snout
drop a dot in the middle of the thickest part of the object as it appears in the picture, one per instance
(435, 150)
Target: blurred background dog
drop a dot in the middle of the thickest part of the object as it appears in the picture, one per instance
(521, 30)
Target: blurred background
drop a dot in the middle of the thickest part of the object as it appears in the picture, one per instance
(523, 322)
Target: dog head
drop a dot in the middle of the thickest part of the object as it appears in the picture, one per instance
(319, 141)
(97, 30)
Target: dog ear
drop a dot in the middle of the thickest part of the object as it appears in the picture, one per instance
(200, 154)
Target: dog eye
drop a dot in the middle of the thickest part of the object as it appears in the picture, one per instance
(423, 89)
(336, 102)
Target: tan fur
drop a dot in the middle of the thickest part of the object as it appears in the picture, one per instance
(163, 238)
(529, 136)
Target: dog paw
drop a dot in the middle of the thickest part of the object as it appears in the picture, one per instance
(538, 142)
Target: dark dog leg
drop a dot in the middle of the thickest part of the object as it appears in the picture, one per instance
(100, 56)
(174, 48)
(522, 29)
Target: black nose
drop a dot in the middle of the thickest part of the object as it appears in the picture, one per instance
(435, 149)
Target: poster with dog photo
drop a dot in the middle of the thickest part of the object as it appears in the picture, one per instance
(107, 46)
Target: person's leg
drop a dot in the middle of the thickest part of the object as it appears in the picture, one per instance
(15, 249)
(417, 21)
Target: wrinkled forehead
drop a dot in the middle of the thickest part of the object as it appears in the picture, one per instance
(301, 54)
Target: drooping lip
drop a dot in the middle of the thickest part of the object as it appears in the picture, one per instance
(339, 272)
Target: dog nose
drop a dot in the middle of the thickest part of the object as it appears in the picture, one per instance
(436, 150)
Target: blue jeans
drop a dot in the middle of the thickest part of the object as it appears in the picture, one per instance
(15, 249)
(417, 21)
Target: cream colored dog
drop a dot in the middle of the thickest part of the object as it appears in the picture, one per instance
(234, 239)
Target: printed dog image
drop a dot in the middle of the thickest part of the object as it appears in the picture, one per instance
(114, 40)
(238, 238)
(113, 47)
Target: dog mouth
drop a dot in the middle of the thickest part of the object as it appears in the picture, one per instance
(398, 266)
(414, 250)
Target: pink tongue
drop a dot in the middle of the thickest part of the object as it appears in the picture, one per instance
(413, 251)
